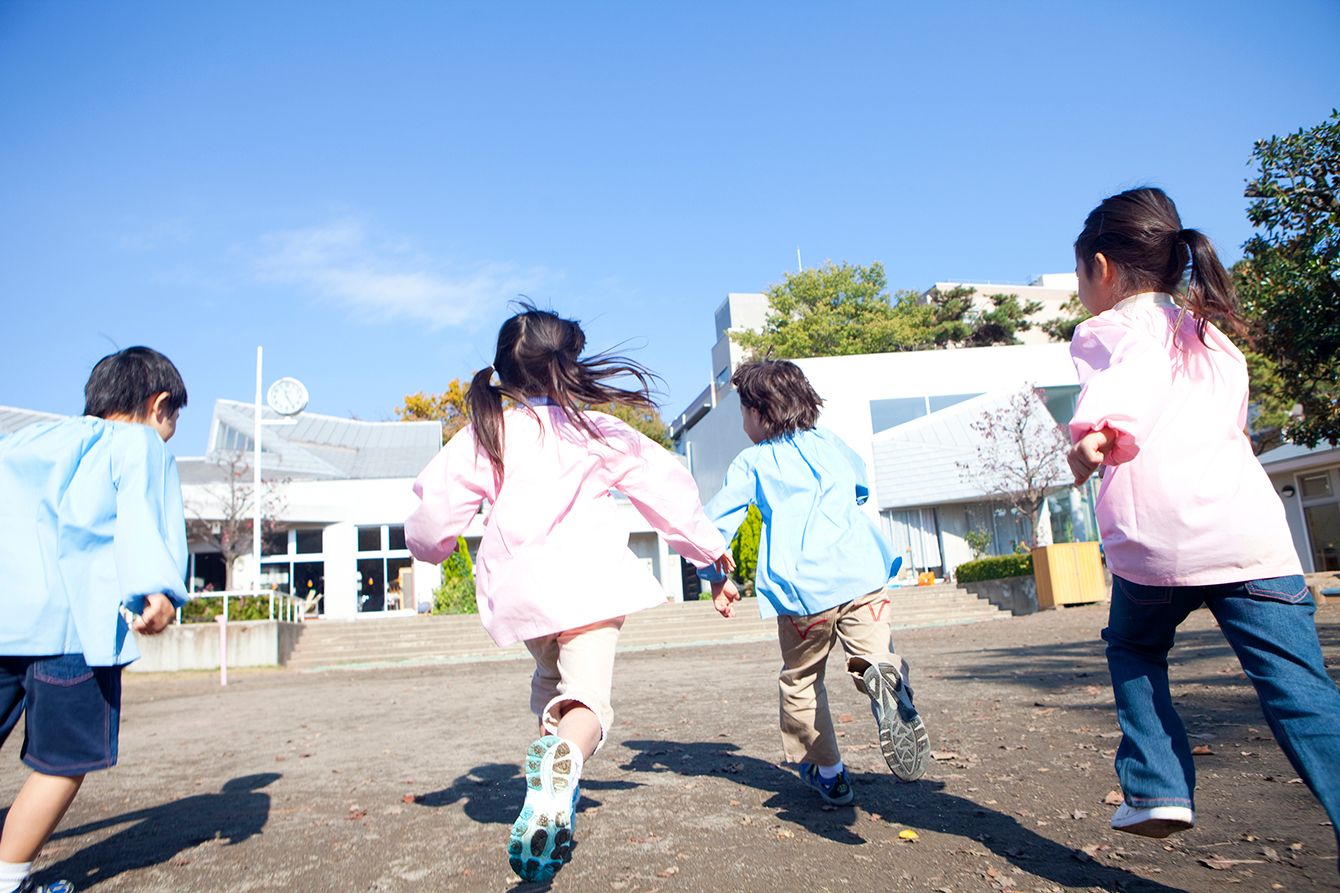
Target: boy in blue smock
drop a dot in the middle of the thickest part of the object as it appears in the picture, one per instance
(823, 568)
(91, 522)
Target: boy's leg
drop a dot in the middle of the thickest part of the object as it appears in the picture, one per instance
(865, 627)
(37, 810)
(1153, 761)
(807, 726)
(1271, 626)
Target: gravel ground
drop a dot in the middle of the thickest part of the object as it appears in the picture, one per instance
(408, 779)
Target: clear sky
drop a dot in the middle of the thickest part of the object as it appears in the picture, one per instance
(362, 187)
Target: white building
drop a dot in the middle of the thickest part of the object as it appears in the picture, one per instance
(1308, 481)
(869, 401)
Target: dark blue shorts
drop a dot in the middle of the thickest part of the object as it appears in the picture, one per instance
(72, 712)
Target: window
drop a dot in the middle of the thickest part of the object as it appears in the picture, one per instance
(274, 542)
(369, 539)
(1315, 486)
(723, 378)
(308, 542)
(381, 568)
(396, 538)
(885, 414)
(947, 400)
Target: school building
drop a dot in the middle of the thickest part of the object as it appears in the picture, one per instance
(1308, 482)
(335, 496)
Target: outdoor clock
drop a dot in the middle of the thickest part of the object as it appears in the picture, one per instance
(287, 396)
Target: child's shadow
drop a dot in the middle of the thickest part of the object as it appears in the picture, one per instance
(492, 793)
(158, 833)
(923, 805)
(790, 797)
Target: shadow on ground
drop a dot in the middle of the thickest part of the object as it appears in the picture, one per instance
(157, 834)
(492, 793)
(923, 805)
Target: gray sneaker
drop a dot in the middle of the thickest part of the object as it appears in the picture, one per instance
(902, 734)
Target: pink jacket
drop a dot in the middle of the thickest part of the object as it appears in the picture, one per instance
(555, 551)
(1183, 500)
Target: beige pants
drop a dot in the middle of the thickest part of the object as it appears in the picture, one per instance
(863, 628)
(574, 665)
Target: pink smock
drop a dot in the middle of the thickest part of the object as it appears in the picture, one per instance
(1183, 500)
(554, 555)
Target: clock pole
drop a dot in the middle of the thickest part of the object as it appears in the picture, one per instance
(256, 490)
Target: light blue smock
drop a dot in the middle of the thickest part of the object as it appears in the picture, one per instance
(90, 519)
(818, 548)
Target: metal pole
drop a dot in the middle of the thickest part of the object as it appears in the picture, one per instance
(256, 487)
(223, 643)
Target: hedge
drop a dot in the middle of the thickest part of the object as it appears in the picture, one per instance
(995, 568)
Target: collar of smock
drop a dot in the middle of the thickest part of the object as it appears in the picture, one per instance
(540, 401)
(1150, 298)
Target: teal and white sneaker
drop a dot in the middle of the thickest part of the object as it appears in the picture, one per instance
(836, 790)
(541, 839)
(902, 734)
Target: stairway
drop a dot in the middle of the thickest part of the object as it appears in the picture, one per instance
(401, 641)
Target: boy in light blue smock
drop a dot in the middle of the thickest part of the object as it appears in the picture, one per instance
(92, 545)
(823, 567)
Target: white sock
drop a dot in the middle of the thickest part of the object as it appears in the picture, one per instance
(832, 771)
(12, 874)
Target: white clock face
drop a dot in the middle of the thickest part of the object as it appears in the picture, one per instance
(287, 396)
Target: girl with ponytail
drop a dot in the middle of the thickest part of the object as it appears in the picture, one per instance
(554, 569)
(1186, 512)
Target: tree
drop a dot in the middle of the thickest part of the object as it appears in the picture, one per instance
(1020, 457)
(1289, 280)
(744, 548)
(452, 409)
(456, 594)
(224, 518)
(1062, 328)
(838, 310)
(448, 407)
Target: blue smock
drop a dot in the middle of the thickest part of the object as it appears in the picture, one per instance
(818, 548)
(91, 519)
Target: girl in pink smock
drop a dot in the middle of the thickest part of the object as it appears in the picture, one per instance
(554, 569)
(1187, 514)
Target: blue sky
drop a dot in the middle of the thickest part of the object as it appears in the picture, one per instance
(362, 187)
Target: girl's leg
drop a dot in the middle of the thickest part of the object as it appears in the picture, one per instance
(1153, 760)
(581, 711)
(1271, 627)
(807, 726)
(40, 805)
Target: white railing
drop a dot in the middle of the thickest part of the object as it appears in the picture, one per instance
(283, 606)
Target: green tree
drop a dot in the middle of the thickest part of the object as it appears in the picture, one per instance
(1062, 328)
(744, 548)
(456, 595)
(1289, 281)
(838, 310)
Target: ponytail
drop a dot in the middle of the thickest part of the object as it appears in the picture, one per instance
(1209, 294)
(485, 408)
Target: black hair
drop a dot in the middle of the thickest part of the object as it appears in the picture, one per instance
(780, 393)
(123, 382)
(1141, 234)
(539, 354)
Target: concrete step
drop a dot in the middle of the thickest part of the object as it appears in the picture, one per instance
(409, 640)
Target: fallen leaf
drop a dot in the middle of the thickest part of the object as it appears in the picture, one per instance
(1114, 798)
(845, 717)
(944, 755)
(408, 798)
(1079, 814)
(1202, 750)
(355, 813)
(668, 872)
(785, 833)
(908, 834)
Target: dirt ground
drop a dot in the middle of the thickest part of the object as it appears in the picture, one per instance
(407, 779)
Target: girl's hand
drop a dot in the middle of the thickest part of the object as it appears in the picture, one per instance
(724, 565)
(724, 597)
(1088, 452)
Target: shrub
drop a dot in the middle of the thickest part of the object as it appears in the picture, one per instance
(995, 568)
(456, 595)
(979, 541)
(745, 550)
(242, 607)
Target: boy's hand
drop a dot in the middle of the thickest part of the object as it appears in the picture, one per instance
(1088, 452)
(158, 613)
(724, 597)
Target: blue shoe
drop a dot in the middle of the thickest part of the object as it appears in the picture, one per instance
(31, 886)
(835, 790)
(902, 734)
(541, 839)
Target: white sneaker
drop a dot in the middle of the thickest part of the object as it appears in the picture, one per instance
(1155, 821)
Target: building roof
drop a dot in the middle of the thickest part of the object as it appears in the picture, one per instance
(922, 462)
(12, 418)
(1293, 457)
(311, 446)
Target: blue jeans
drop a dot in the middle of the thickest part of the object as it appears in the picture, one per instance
(1269, 624)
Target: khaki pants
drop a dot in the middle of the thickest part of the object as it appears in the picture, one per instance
(863, 628)
(574, 665)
